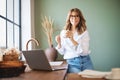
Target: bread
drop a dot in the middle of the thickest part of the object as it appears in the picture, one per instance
(11, 55)
(11, 59)
(9, 64)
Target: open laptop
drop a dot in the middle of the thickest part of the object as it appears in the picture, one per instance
(37, 60)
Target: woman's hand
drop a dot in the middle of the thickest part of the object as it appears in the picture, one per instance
(69, 34)
(58, 40)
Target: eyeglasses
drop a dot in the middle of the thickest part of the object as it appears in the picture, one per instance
(76, 16)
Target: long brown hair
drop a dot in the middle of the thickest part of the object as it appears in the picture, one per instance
(81, 27)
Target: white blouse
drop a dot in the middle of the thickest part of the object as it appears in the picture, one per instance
(69, 50)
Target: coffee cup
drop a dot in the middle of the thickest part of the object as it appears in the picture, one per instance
(115, 73)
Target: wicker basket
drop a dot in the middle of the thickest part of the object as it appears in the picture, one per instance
(11, 71)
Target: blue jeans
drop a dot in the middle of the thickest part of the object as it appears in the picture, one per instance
(78, 64)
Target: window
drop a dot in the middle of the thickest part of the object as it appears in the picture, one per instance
(10, 23)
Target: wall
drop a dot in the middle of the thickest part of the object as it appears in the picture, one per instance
(26, 28)
(103, 22)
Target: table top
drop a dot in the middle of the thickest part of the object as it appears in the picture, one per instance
(41, 75)
(75, 76)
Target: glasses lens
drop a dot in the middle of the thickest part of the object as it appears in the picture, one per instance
(74, 15)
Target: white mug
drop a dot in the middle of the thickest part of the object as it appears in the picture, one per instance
(115, 73)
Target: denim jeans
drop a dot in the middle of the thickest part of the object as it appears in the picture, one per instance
(78, 64)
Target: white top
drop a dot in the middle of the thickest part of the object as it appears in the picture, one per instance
(69, 50)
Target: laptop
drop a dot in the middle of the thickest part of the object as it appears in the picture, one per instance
(37, 60)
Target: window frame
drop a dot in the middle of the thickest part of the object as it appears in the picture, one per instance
(14, 25)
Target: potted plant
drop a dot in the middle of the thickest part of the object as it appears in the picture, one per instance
(47, 25)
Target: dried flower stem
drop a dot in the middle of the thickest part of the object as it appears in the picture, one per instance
(47, 24)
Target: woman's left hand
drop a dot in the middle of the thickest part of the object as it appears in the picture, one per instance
(69, 34)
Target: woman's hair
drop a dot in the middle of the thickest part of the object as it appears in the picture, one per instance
(81, 27)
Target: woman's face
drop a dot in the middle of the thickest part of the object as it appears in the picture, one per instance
(74, 18)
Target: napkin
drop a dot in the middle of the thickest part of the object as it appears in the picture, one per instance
(94, 74)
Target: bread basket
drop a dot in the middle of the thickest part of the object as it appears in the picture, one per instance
(11, 68)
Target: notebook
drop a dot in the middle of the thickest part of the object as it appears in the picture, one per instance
(37, 60)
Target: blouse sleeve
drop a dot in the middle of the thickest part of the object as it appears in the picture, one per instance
(85, 43)
(77, 48)
(62, 49)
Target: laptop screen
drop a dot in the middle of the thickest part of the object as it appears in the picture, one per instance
(36, 59)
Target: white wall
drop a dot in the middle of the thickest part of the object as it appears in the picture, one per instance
(27, 22)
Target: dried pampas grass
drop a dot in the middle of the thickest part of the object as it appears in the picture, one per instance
(47, 24)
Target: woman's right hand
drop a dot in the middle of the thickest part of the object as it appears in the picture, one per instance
(58, 39)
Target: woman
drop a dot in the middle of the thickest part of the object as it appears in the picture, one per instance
(73, 42)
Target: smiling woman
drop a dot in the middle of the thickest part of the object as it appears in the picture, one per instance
(73, 42)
